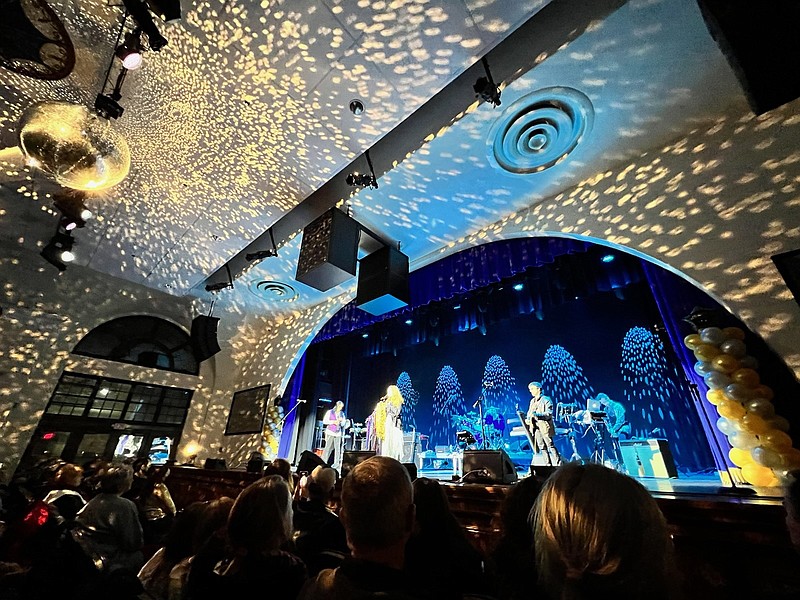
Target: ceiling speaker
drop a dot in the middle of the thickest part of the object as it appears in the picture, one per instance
(761, 43)
(329, 251)
(383, 281)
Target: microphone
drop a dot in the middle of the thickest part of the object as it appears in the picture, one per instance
(478, 401)
(301, 401)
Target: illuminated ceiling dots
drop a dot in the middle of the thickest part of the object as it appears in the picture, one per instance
(540, 129)
(273, 291)
(79, 149)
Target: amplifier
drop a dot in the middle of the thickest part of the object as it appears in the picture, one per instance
(648, 458)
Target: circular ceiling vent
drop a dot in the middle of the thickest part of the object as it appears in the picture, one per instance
(540, 129)
(275, 291)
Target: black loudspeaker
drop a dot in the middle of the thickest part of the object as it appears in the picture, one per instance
(488, 466)
(329, 251)
(352, 457)
(788, 264)
(761, 43)
(204, 337)
(383, 281)
(309, 461)
(215, 464)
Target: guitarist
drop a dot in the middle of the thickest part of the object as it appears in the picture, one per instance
(334, 422)
(540, 417)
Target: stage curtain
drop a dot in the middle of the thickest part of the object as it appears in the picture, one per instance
(471, 289)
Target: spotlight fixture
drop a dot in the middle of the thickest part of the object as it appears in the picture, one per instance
(130, 52)
(363, 180)
(141, 15)
(221, 285)
(608, 258)
(58, 250)
(485, 87)
(518, 286)
(262, 254)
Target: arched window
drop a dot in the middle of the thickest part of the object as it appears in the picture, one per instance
(141, 340)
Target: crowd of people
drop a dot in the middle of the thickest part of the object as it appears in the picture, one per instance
(587, 531)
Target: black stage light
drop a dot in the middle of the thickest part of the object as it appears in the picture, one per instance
(361, 180)
(58, 250)
(485, 87)
(215, 287)
(107, 107)
(142, 16)
(130, 52)
(261, 254)
(168, 10)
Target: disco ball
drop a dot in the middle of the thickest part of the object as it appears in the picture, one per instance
(77, 147)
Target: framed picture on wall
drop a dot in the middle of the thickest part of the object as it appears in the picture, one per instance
(248, 409)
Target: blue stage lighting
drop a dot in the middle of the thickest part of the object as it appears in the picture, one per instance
(518, 286)
(608, 258)
(364, 335)
(409, 321)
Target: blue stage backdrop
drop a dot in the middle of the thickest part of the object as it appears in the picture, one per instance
(604, 342)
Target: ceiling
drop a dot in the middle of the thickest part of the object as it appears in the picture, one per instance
(243, 116)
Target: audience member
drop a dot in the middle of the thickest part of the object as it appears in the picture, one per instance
(791, 503)
(599, 534)
(156, 507)
(211, 527)
(155, 574)
(378, 517)
(319, 537)
(109, 529)
(64, 495)
(92, 472)
(439, 557)
(513, 553)
(282, 467)
(259, 525)
(140, 467)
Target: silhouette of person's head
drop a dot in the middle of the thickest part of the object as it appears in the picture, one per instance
(599, 533)
(377, 506)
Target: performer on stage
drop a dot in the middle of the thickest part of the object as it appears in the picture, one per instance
(540, 417)
(388, 430)
(618, 427)
(334, 421)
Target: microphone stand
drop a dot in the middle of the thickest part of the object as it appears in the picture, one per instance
(286, 416)
(479, 404)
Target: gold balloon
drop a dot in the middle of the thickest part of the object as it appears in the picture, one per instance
(692, 341)
(725, 363)
(740, 457)
(715, 396)
(755, 424)
(775, 439)
(79, 149)
(734, 333)
(747, 377)
(706, 352)
(731, 409)
(764, 391)
(757, 475)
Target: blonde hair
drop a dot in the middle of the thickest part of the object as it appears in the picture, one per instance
(394, 396)
(599, 533)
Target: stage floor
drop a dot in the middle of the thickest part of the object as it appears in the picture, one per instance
(694, 485)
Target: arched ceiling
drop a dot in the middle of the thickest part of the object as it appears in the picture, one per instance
(244, 115)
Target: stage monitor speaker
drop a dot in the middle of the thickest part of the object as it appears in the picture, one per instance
(204, 337)
(309, 461)
(412, 470)
(329, 250)
(648, 458)
(761, 43)
(383, 281)
(488, 466)
(352, 457)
